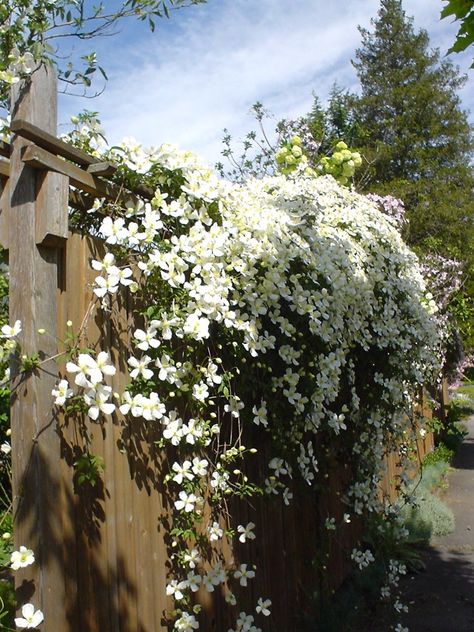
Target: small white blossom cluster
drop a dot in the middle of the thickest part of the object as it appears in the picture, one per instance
(111, 277)
(90, 374)
(362, 558)
(19, 66)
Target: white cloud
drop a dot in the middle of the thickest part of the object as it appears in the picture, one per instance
(203, 72)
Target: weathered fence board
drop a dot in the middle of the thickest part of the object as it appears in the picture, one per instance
(118, 551)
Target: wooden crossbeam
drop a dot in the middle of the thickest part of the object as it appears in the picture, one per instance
(56, 147)
(78, 200)
(41, 159)
(102, 168)
(51, 143)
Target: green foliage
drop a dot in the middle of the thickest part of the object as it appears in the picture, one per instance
(6, 538)
(7, 592)
(355, 605)
(336, 122)
(350, 609)
(440, 454)
(453, 431)
(312, 144)
(418, 142)
(462, 308)
(29, 362)
(7, 604)
(88, 469)
(427, 515)
(432, 476)
(463, 399)
(462, 11)
(430, 517)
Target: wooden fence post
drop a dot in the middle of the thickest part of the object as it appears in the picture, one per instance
(38, 206)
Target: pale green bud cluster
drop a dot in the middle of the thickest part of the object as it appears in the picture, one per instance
(342, 164)
(290, 156)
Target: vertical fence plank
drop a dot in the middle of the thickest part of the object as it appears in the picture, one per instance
(37, 487)
(4, 213)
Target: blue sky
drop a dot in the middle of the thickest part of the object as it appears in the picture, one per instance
(202, 70)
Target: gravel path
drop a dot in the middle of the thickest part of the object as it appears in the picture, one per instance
(441, 598)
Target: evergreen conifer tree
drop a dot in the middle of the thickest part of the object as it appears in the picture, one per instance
(418, 140)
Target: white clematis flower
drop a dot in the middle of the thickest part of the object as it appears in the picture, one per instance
(11, 332)
(263, 606)
(22, 558)
(243, 574)
(30, 618)
(246, 533)
(140, 367)
(97, 400)
(62, 392)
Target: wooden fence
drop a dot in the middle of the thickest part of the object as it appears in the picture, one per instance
(103, 551)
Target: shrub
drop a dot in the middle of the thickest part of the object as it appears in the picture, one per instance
(440, 454)
(427, 515)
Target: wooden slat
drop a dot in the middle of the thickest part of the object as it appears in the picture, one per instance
(41, 159)
(4, 214)
(102, 169)
(52, 214)
(50, 142)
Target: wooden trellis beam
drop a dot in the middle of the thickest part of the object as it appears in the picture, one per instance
(50, 142)
(103, 169)
(41, 159)
(55, 147)
(77, 200)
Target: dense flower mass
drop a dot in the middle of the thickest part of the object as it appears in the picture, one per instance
(304, 283)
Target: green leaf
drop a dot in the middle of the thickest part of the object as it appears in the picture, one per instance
(458, 8)
(103, 73)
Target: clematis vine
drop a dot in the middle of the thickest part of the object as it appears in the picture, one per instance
(263, 303)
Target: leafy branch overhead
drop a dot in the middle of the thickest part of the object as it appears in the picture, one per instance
(32, 31)
(462, 11)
